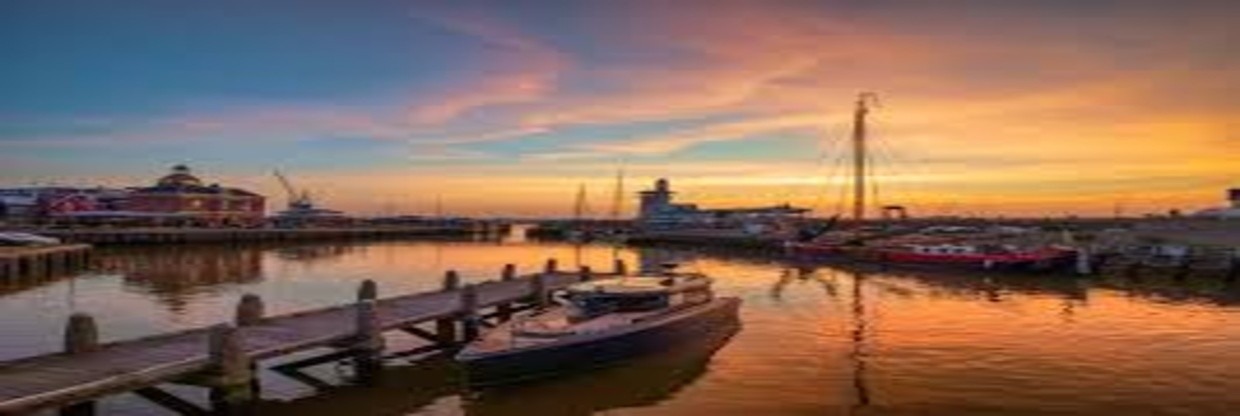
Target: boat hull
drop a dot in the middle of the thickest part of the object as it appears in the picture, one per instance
(1033, 261)
(582, 352)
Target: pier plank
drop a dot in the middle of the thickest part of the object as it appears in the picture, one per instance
(62, 379)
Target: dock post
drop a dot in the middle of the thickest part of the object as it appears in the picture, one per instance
(81, 335)
(36, 266)
(1182, 269)
(1234, 271)
(249, 310)
(469, 312)
(538, 290)
(551, 266)
(446, 327)
(509, 273)
(368, 290)
(368, 348)
(231, 372)
(9, 269)
(451, 281)
(621, 268)
(504, 310)
(585, 274)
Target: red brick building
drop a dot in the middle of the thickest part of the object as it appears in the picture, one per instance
(181, 197)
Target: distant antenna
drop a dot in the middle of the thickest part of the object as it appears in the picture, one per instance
(617, 202)
(579, 207)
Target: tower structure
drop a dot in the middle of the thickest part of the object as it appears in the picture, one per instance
(657, 199)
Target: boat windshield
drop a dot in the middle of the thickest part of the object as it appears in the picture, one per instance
(586, 307)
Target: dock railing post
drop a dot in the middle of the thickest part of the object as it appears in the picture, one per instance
(509, 273)
(451, 281)
(249, 310)
(469, 312)
(504, 310)
(585, 274)
(367, 290)
(551, 267)
(81, 336)
(1233, 271)
(621, 268)
(231, 371)
(538, 290)
(368, 347)
(446, 327)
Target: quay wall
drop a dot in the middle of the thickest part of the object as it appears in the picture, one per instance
(203, 235)
(42, 261)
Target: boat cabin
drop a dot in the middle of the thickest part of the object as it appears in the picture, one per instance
(588, 300)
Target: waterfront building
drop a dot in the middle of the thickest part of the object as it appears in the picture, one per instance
(181, 197)
(178, 198)
(1230, 211)
(32, 204)
(657, 209)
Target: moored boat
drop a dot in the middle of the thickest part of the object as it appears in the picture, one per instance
(598, 323)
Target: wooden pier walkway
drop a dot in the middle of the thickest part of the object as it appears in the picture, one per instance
(86, 371)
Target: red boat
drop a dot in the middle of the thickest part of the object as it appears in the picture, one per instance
(983, 256)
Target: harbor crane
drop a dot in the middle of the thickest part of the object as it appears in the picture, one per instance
(297, 201)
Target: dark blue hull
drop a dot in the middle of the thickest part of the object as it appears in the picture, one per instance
(658, 335)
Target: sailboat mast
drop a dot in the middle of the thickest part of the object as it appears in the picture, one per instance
(617, 198)
(580, 205)
(859, 154)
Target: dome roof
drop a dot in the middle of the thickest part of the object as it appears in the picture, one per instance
(179, 178)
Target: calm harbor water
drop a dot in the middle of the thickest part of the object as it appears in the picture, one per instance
(815, 339)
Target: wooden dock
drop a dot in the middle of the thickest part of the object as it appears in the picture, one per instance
(223, 357)
(42, 261)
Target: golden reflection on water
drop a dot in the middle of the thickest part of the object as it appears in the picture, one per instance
(815, 339)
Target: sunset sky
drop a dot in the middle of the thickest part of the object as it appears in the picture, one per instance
(502, 108)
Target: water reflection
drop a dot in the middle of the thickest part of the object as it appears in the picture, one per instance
(818, 338)
(177, 273)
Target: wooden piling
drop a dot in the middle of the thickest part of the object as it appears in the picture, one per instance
(538, 290)
(451, 280)
(469, 313)
(446, 327)
(81, 336)
(1233, 272)
(231, 372)
(368, 290)
(551, 267)
(8, 269)
(504, 310)
(621, 268)
(585, 274)
(368, 348)
(249, 310)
